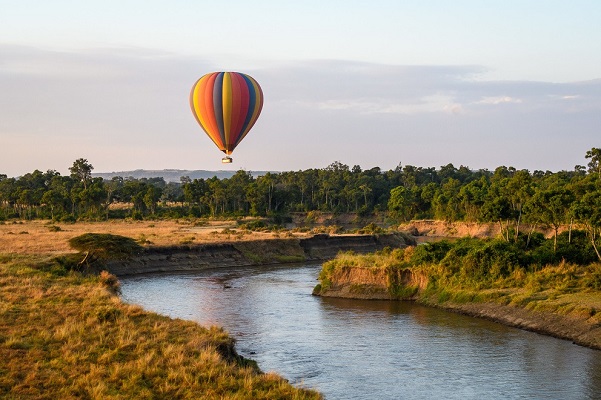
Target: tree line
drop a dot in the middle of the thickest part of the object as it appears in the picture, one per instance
(515, 199)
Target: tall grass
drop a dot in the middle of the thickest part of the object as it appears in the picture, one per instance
(475, 270)
(65, 335)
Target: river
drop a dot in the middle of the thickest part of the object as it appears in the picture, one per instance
(352, 349)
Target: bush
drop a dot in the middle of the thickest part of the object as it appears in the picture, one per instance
(68, 262)
(256, 225)
(430, 253)
(104, 246)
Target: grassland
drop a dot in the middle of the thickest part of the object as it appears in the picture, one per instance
(65, 335)
(46, 237)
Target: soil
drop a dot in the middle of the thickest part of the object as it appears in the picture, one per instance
(443, 229)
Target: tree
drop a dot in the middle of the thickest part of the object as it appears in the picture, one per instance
(518, 190)
(82, 171)
(594, 166)
(554, 206)
(151, 197)
(472, 197)
(588, 212)
(399, 202)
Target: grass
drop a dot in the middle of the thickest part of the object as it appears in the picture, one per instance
(66, 335)
(42, 237)
(565, 289)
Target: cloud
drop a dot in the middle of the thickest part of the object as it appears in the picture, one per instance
(127, 108)
(499, 100)
(428, 104)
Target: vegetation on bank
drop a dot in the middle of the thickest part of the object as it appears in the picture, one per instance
(528, 273)
(66, 335)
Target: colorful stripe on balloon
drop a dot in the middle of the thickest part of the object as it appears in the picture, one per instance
(226, 106)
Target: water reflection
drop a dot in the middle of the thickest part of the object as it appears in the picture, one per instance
(352, 349)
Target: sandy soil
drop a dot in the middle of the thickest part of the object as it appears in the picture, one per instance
(432, 228)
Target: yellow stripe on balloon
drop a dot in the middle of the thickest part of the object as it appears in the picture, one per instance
(227, 108)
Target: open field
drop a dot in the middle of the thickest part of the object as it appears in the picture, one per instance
(47, 237)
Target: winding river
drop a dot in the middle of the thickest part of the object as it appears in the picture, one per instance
(349, 349)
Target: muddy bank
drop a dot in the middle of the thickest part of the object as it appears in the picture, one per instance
(260, 252)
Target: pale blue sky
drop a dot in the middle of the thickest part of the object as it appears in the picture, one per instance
(372, 83)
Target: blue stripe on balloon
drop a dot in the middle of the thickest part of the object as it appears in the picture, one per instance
(252, 101)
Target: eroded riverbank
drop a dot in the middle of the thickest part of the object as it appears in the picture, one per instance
(252, 252)
(580, 325)
(569, 316)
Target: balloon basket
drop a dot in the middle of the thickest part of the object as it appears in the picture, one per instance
(226, 160)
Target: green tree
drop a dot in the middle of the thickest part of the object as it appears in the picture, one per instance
(594, 166)
(400, 202)
(554, 207)
(588, 211)
(82, 171)
(152, 197)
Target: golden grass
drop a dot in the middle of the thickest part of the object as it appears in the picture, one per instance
(560, 289)
(69, 337)
(46, 237)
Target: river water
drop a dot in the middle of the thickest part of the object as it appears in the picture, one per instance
(353, 349)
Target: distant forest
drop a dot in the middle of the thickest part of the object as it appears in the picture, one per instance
(513, 198)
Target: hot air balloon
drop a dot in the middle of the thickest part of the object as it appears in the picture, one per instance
(226, 105)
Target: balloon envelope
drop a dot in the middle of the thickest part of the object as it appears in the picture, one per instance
(226, 105)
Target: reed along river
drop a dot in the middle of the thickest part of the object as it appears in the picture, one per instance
(358, 349)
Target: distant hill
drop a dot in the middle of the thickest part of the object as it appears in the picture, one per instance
(172, 175)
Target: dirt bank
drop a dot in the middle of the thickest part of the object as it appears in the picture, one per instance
(249, 252)
(443, 229)
(580, 326)
(373, 284)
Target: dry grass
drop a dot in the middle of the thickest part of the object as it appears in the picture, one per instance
(67, 336)
(46, 237)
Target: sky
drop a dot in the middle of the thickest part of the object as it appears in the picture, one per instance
(374, 83)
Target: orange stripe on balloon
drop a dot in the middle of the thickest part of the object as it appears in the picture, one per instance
(209, 112)
(199, 107)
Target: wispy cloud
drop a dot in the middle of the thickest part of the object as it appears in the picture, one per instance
(499, 100)
(128, 108)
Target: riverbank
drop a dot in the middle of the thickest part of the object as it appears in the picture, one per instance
(250, 252)
(556, 300)
(64, 335)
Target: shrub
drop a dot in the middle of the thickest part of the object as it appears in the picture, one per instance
(104, 246)
(430, 253)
